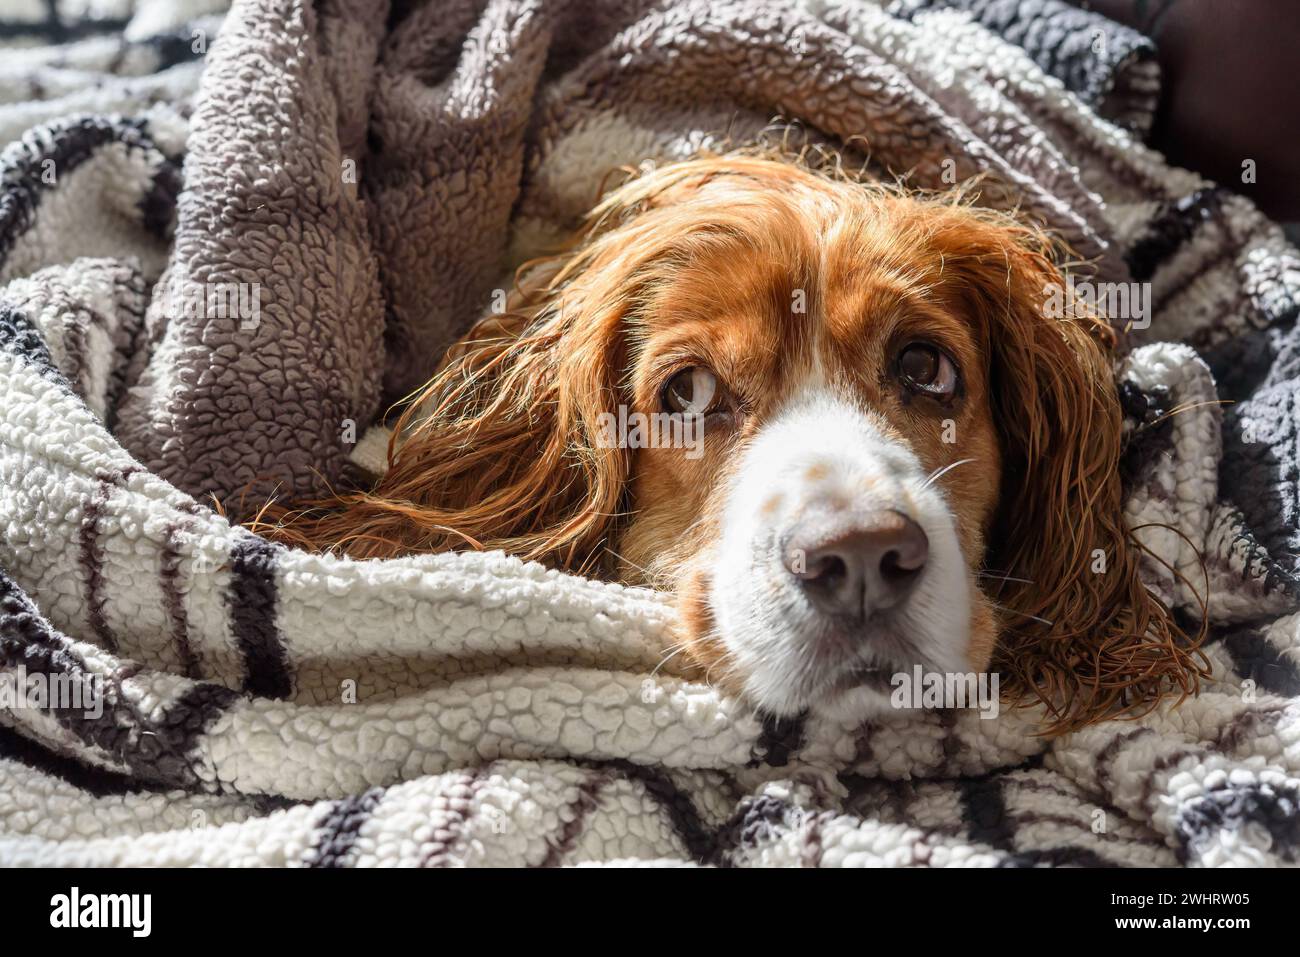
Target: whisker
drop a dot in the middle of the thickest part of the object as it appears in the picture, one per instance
(1179, 409)
(1005, 578)
(672, 653)
(724, 658)
(1023, 614)
(940, 473)
(643, 571)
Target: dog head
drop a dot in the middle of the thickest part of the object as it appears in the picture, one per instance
(833, 418)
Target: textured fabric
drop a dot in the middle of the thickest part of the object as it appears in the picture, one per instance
(1111, 67)
(264, 706)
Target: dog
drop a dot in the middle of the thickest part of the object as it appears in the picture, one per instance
(879, 452)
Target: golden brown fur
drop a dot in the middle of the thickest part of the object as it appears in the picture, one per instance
(699, 262)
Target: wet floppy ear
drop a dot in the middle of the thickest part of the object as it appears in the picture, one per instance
(1081, 632)
(502, 448)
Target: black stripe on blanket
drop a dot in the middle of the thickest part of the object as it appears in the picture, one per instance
(55, 29)
(758, 820)
(340, 827)
(1276, 578)
(1172, 226)
(984, 812)
(96, 782)
(1254, 555)
(436, 852)
(73, 142)
(169, 578)
(780, 739)
(572, 824)
(91, 560)
(131, 291)
(91, 555)
(171, 743)
(76, 330)
(253, 600)
(101, 783)
(1257, 659)
(158, 204)
(1229, 809)
(172, 49)
(1153, 432)
(156, 746)
(19, 336)
(700, 840)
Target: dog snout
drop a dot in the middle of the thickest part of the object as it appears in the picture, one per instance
(853, 567)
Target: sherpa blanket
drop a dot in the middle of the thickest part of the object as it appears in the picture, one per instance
(352, 180)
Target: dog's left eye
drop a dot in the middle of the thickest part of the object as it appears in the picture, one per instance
(925, 369)
(694, 390)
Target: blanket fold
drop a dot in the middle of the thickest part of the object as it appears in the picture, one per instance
(220, 262)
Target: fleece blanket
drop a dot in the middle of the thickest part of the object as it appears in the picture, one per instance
(227, 243)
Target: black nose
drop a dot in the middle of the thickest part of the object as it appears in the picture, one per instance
(856, 567)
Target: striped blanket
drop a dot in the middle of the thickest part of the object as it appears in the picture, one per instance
(343, 184)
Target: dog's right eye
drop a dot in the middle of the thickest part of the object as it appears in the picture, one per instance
(925, 369)
(694, 390)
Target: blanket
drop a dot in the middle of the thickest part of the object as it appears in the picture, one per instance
(229, 240)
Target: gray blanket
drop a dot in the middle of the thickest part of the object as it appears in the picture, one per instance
(226, 246)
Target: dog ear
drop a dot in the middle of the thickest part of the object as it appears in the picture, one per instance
(501, 449)
(1081, 632)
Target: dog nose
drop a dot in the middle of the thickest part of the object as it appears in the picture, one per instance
(857, 568)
